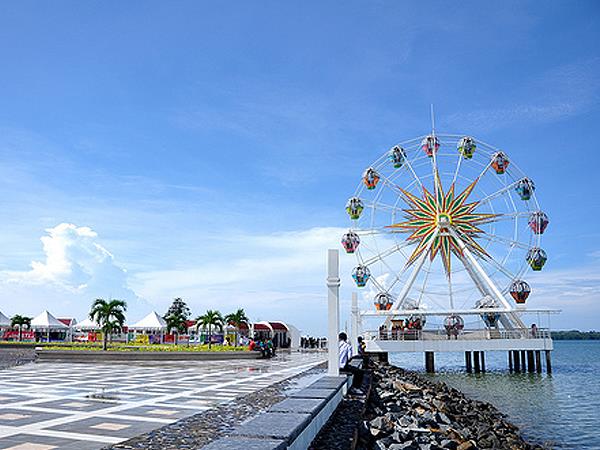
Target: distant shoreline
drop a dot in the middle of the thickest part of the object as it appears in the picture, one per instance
(576, 335)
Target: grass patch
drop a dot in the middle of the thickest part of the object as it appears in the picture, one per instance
(121, 347)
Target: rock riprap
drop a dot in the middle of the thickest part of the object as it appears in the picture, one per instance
(405, 412)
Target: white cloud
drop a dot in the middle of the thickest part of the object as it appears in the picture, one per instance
(76, 270)
(273, 276)
(563, 92)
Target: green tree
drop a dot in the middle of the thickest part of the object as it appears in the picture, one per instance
(20, 321)
(210, 319)
(176, 317)
(237, 319)
(110, 315)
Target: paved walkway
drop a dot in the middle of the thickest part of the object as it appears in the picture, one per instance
(48, 406)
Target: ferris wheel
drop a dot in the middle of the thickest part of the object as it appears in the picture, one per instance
(446, 223)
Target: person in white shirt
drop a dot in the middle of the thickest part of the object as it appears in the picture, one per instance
(345, 357)
(345, 350)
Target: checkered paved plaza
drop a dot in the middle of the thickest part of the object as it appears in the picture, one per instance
(47, 406)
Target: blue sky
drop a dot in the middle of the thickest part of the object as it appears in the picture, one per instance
(206, 150)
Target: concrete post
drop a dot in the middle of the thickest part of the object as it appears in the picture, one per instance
(476, 361)
(354, 324)
(517, 357)
(510, 361)
(548, 362)
(468, 362)
(538, 361)
(333, 311)
(482, 354)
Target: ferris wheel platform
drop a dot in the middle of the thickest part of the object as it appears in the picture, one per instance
(411, 341)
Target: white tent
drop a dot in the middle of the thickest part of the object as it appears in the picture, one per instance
(87, 324)
(4, 321)
(46, 321)
(151, 322)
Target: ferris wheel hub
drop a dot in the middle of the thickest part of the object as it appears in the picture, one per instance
(443, 220)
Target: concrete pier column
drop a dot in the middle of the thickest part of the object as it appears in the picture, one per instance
(333, 312)
(538, 361)
(516, 355)
(523, 361)
(429, 362)
(354, 324)
(530, 362)
(468, 362)
(548, 362)
(510, 361)
(476, 361)
(482, 354)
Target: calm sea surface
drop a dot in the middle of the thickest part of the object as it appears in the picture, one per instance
(561, 410)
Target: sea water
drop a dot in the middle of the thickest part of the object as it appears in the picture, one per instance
(561, 410)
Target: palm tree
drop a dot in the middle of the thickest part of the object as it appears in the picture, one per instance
(209, 319)
(110, 315)
(237, 319)
(176, 317)
(20, 321)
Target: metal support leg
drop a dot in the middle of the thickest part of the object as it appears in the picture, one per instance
(429, 362)
(538, 361)
(468, 362)
(530, 362)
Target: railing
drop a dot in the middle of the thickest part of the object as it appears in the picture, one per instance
(472, 334)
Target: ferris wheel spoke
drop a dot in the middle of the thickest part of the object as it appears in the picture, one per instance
(506, 216)
(491, 261)
(498, 193)
(395, 274)
(390, 184)
(372, 231)
(458, 164)
(414, 174)
(503, 240)
(383, 206)
(390, 251)
(378, 285)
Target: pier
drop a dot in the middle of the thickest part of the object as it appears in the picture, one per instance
(524, 346)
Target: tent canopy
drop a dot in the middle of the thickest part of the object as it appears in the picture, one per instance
(151, 322)
(4, 321)
(87, 324)
(47, 321)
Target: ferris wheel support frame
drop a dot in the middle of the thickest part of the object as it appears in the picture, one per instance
(476, 268)
(411, 280)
